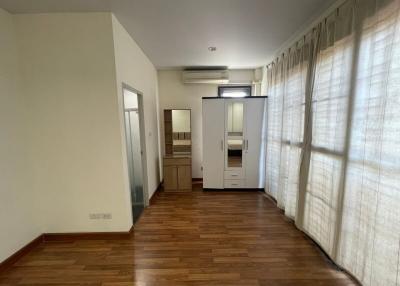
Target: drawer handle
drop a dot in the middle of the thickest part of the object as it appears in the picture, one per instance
(235, 184)
(233, 175)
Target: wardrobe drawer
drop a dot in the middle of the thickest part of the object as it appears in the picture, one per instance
(234, 175)
(234, 184)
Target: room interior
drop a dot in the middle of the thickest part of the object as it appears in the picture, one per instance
(213, 142)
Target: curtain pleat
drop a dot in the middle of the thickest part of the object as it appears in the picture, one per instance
(330, 99)
(333, 144)
(275, 77)
(292, 127)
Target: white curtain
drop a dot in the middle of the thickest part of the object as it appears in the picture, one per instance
(329, 111)
(293, 125)
(275, 76)
(286, 108)
(370, 232)
(333, 156)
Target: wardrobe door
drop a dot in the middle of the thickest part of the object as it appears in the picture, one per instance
(253, 146)
(213, 143)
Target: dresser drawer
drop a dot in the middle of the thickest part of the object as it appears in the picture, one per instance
(234, 184)
(234, 175)
(177, 161)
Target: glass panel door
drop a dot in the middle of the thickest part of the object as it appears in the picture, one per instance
(134, 153)
(234, 133)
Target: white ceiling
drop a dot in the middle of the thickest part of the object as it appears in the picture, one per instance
(176, 33)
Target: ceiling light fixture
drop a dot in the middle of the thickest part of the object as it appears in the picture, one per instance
(212, 49)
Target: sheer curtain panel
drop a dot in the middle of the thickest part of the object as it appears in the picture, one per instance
(275, 78)
(333, 141)
(370, 233)
(293, 124)
(286, 105)
(330, 99)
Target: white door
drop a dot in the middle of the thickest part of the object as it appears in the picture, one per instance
(213, 143)
(253, 145)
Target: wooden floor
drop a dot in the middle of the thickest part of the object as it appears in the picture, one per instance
(201, 238)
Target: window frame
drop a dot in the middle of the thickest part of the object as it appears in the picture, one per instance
(246, 88)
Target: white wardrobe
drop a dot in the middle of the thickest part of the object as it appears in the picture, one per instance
(234, 142)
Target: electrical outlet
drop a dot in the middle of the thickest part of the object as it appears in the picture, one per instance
(100, 216)
(107, 216)
(94, 216)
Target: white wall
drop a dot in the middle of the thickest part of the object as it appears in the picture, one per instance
(241, 76)
(68, 74)
(173, 94)
(62, 144)
(19, 223)
(135, 69)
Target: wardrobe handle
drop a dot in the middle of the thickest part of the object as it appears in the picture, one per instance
(247, 145)
(222, 145)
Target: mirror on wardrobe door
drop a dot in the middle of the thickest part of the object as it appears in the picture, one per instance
(178, 136)
(235, 134)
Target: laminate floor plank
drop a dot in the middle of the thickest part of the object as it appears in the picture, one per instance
(194, 239)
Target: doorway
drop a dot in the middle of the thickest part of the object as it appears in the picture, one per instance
(135, 151)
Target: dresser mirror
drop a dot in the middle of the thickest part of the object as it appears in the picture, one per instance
(178, 136)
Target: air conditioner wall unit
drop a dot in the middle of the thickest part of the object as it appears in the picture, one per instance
(205, 76)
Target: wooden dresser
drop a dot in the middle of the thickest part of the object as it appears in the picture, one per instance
(177, 173)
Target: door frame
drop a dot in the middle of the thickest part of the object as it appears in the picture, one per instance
(142, 139)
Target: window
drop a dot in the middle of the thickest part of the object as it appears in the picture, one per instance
(234, 91)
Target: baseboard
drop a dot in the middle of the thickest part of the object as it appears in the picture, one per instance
(271, 198)
(51, 237)
(153, 197)
(48, 237)
(194, 180)
(232, 190)
(20, 253)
